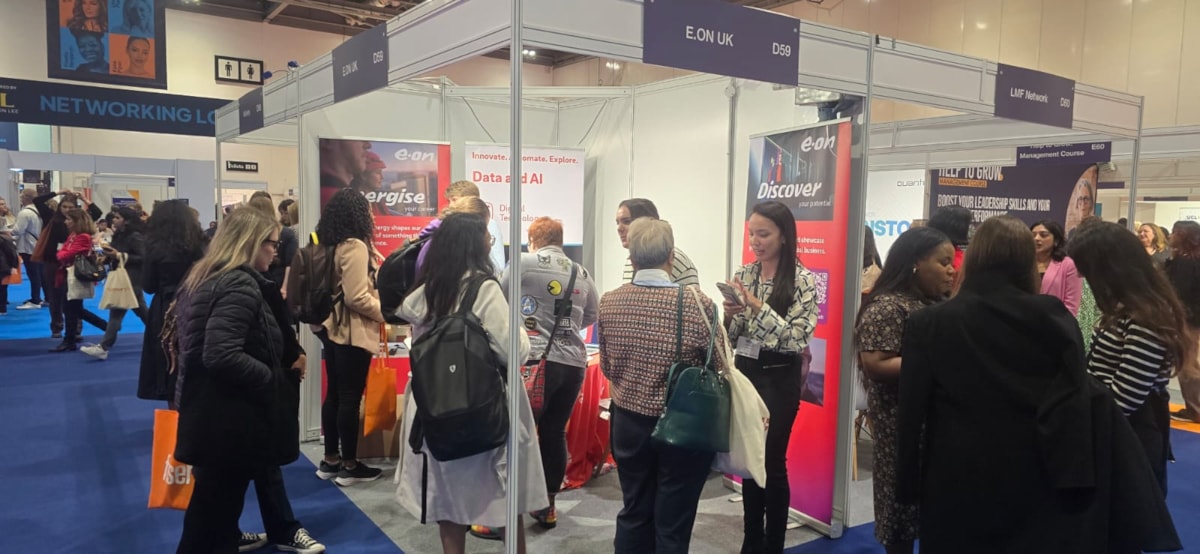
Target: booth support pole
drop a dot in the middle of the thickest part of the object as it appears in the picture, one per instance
(445, 137)
(1133, 173)
(217, 179)
(854, 250)
(515, 59)
(732, 92)
(310, 213)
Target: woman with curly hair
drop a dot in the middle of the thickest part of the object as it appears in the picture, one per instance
(1183, 271)
(351, 334)
(89, 15)
(173, 242)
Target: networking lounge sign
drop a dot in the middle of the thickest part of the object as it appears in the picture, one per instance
(106, 108)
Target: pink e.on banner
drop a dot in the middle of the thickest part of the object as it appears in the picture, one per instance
(808, 169)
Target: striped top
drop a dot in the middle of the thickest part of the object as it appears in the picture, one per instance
(683, 271)
(637, 342)
(1131, 361)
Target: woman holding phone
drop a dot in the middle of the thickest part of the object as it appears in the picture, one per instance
(771, 322)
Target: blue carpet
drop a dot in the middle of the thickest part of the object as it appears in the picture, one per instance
(78, 462)
(35, 324)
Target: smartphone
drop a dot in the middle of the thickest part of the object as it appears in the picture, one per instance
(731, 294)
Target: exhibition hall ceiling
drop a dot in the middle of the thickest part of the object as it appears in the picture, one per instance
(349, 17)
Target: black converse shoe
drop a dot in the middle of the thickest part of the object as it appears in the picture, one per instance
(327, 471)
(360, 474)
(250, 542)
(302, 543)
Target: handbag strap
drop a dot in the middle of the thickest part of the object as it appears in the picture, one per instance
(712, 328)
(560, 312)
(679, 328)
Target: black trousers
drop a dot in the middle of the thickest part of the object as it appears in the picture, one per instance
(660, 484)
(1152, 425)
(55, 296)
(34, 271)
(562, 391)
(776, 377)
(346, 369)
(73, 312)
(210, 525)
(280, 523)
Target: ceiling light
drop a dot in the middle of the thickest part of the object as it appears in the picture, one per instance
(530, 53)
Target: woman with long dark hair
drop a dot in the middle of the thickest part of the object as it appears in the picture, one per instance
(919, 272)
(54, 234)
(78, 243)
(1056, 271)
(771, 328)
(1005, 444)
(472, 489)
(89, 15)
(173, 242)
(351, 334)
(1183, 271)
(129, 243)
(872, 265)
(1143, 339)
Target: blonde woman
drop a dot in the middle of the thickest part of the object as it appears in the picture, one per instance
(1154, 241)
(229, 350)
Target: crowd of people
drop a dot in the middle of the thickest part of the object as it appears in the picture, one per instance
(1015, 376)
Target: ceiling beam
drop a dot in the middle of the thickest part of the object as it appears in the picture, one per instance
(277, 10)
(342, 8)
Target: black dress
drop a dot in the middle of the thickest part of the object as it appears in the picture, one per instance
(162, 271)
(1007, 444)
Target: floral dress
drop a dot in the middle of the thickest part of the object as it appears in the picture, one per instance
(1088, 316)
(881, 330)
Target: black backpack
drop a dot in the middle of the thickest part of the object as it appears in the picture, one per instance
(313, 285)
(396, 277)
(458, 386)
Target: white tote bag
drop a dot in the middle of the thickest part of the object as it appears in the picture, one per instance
(78, 290)
(118, 291)
(748, 417)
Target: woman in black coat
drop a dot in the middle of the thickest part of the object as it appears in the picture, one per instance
(129, 242)
(230, 354)
(1005, 443)
(173, 243)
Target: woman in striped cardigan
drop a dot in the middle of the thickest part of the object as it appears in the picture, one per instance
(1142, 339)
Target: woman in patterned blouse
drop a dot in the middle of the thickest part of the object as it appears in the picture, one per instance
(919, 271)
(1143, 338)
(771, 328)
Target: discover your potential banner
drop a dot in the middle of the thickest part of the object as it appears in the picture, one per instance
(1065, 193)
(552, 186)
(405, 182)
(808, 169)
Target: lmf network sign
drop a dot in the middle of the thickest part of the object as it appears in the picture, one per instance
(107, 108)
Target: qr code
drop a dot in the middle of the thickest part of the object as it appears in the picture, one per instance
(821, 280)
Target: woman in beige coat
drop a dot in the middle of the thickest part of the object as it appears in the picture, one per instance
(350, 335)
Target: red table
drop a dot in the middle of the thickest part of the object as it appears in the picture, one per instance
(587, 432)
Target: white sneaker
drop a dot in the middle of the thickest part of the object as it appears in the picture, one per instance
(29, 306)
(95, 351)
(302, 543)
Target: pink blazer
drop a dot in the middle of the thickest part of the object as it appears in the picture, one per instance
(1062, 281)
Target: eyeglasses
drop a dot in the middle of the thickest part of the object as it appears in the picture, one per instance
(274, 244)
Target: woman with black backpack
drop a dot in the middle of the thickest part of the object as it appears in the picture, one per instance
(471, 489)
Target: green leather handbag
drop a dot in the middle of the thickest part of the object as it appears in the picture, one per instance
(696, 415)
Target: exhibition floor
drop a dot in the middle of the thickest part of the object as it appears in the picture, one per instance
(77, 475)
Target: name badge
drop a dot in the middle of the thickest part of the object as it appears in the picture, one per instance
(748, 348)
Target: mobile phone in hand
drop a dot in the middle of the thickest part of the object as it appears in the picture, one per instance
(731, 294)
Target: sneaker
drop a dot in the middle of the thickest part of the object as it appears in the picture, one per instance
(546, 518)
(95, 351)
(45, 304)
(328, 471)
(250, 542)
(1185, 415)
(302, 543)
(30, 305)
(360, 474)
(56, 335)
(485, 533)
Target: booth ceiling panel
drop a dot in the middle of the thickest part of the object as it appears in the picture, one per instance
(133, 166)
(58, 162)
(440, 33)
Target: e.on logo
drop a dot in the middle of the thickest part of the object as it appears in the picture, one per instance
(176, 474)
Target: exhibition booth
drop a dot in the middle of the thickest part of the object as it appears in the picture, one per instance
(705, 148)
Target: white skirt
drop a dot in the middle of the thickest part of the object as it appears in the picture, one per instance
(470, 491)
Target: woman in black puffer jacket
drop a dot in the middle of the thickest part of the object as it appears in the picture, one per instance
(232, 423)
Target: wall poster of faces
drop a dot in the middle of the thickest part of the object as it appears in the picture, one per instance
(119, 42)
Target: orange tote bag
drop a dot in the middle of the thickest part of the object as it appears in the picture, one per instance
(379, 408)
(171, 482)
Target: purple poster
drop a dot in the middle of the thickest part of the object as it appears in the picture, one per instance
(1091, 152)
(1065, 193)
(1034, 96)
(360, 65)
(717, 37)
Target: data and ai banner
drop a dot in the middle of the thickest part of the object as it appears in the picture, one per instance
(405, 182)
(808, 169)
(894, 200)
(552, 186)
(1065, 193)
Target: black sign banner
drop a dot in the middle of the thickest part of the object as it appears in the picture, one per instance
(107, 108)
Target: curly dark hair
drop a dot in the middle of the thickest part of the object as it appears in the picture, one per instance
(1185, 241)
(346, 216)
(173, 229)
(1059, 252)
(954, 221)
